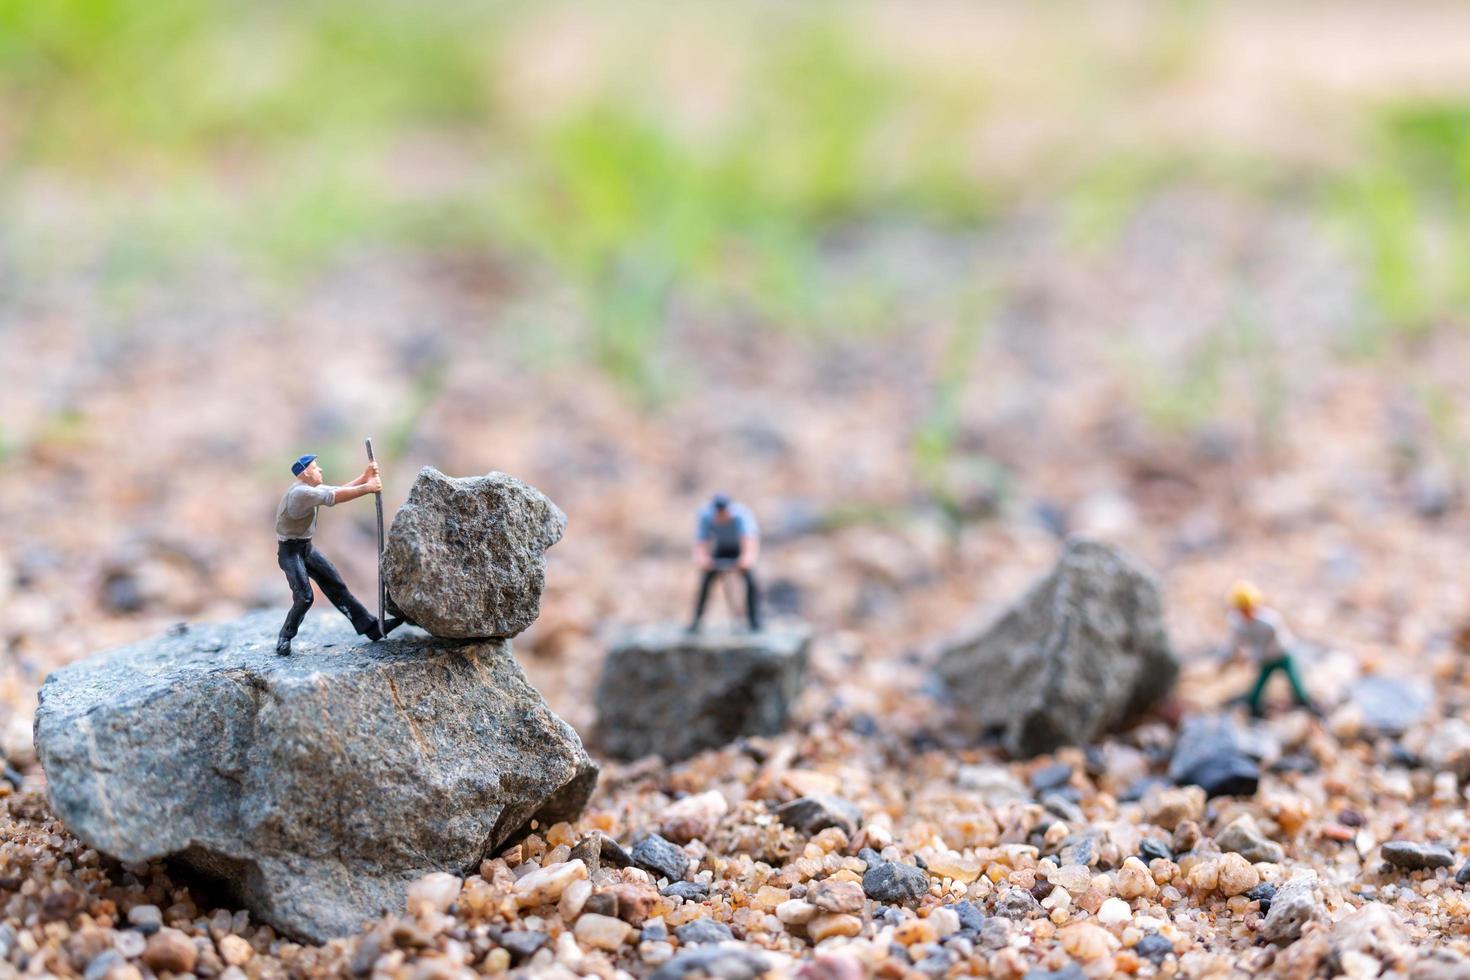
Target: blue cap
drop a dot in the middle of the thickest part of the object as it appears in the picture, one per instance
(299, 467)
(720, 501)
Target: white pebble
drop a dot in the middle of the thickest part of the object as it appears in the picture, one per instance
(1114, 912)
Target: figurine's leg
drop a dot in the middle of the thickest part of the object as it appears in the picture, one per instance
(1254, 698)
(752, 601)
(337, 593)
(704, 584)
(1298, 689)
(292, 563)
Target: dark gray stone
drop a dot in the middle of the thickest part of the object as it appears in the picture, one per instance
(522, 944)
(715, 963)
(1390, 705)
(315, 786)
(1151, 847)
(811, 814)
(588, 850)
(1211, 754)
(1051, 777)
(971, 918)
(1078, 655)
(668, 693)
(890, 881)
(660, 858)
(1462, 877)
(1069, 972)
(465, 557)
(1414, 856)
(1262, 893)
(703, 931)
(1154, 948)
(689, 891)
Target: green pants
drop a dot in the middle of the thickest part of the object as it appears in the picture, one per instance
(1270, 667)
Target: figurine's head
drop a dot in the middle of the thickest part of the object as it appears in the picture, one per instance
(307, 471)
(1245, 597)
(721, 504)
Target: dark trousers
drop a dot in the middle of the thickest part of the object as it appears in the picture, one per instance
(752, 593)
(302, 563)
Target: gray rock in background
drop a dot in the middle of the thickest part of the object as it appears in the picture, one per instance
(668, 693)
(1390, 705)
(315, 786)
(465, 557)
(1079, 654)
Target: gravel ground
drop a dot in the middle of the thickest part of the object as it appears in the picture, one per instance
(148, 471)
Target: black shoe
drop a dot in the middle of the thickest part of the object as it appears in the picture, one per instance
(283, 648)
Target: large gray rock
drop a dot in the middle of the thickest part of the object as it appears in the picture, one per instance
(668, 693)
(465, 557)
(1079, 654)
(315, 786)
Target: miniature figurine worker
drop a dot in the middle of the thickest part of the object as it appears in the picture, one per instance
(299, 559)
(726, 539)
(1259, 632)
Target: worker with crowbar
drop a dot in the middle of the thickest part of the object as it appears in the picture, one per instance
(727, 540)
(303, 563)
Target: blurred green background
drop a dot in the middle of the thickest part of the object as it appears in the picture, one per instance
(634, 157)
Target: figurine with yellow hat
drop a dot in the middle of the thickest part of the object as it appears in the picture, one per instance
(1258, 631)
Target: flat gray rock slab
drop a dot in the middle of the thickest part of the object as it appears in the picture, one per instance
(315, 787)
(466, 556)
(1078, 655)
(669, 693)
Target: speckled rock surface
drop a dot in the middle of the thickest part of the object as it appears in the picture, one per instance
(669, 693)
(465, 557)
(318, 785)
(1080, 653)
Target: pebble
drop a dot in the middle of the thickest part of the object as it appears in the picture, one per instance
(171, 950)
(1244, 837)
(818, 811)
(1051, 777)
(1087, 941)
(1016, 903)
(837, 895)
(1075, 878)
(689, 891)
(971, 919)
(588, 850)
(1114, 912)
(574, 899)
(602, 931)
(546, 885)
(914, 932)
(723, 962)
(130, 943)
(1462, 877)
(1167, 808)
(1151, 847)
(703, 931)
(1236, 875)
(1262, 893)
(895, 883)
(660, 858)
(693, 817)
(1295, 904)
(796, 912)
(234, 950)
(433, 892)
(833, 924)
(521, 944)
(1414, 856)
(946, 922)
(1134, 880)
(1154, 948)
(147, 918)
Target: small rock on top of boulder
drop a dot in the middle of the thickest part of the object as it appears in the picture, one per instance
(670, 693)
(318, 786)
(465, 557)
(1079, 654)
